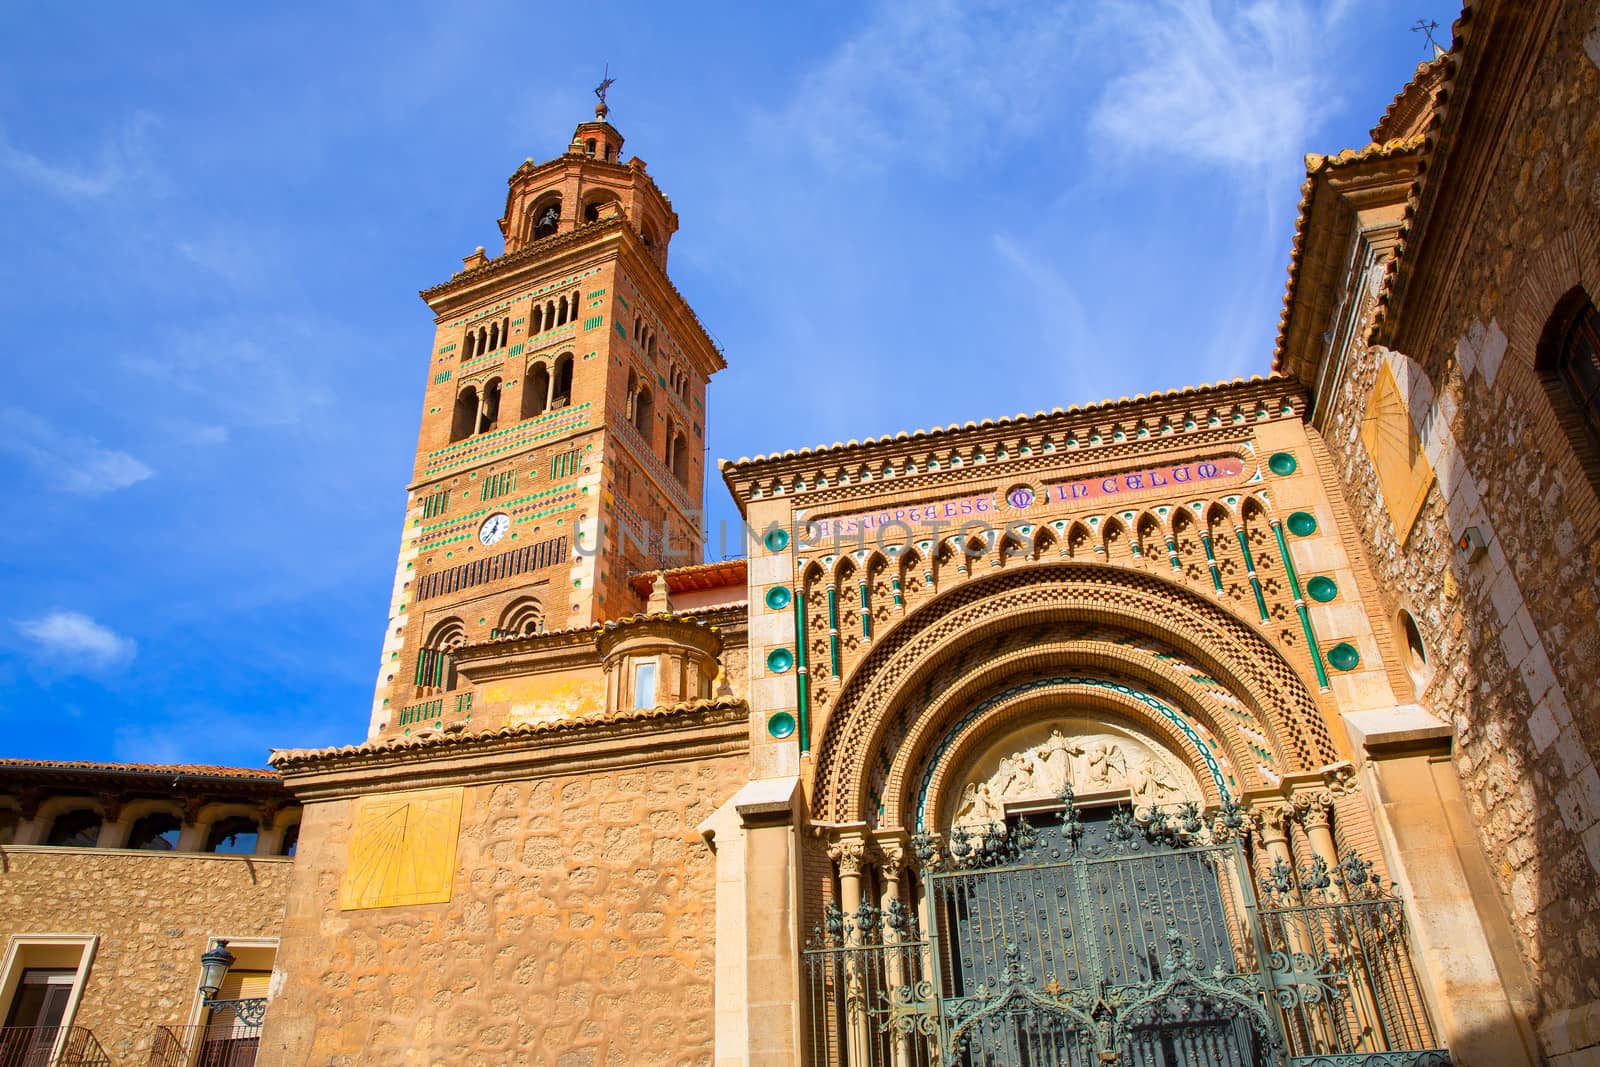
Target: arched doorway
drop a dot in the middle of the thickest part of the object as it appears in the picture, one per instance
(1075, 815)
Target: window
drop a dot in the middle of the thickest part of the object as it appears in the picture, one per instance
(291, 839)
(34, 1021)
(234, 835)
(546, 218)
(535, 390)
(1568, 363)
(221, 1038)
(465, 416)
(489, 417)
(644, 685)
(157, 832)
(561, 387)
(75, 829)
(40, 982)
(435, 671)
(524, 618)
(643, 413)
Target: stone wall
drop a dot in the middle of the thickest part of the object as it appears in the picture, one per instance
(154, 914)
(1513, 637)
(580, 932)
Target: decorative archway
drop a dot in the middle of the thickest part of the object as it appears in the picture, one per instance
(1164, 657)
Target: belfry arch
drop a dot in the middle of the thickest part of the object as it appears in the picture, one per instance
(1111, 638)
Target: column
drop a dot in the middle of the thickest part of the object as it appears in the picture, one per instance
(898, 970)
(115, 825)
(850, 854)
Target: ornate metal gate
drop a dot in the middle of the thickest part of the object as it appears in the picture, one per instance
(1100, 941)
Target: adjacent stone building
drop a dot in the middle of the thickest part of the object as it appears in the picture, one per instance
(1247, 723)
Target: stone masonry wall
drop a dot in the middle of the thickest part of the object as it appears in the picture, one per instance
(1513, 639)
(580, 932)
(154, 913)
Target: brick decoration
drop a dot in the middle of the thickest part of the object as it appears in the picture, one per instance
(852, 732)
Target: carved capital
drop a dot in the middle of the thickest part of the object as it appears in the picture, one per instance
(1313, 808)
(850, 856)
(29, 799)
(1272, 820)
(1340, 779)
(111, 805)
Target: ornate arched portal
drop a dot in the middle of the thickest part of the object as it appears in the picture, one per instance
(1048, 794)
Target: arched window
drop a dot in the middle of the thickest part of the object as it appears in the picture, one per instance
(538, 318)
(1568, 364)
(491, 406)
(546, 218)
(469, 348)
(643, 413)
(156, 832)
(465, 418)
(535, 390)
(494, 338)
(588, 148)
(291, 839)
(680, 458)
(435, 671)
(561, 311)
(522, 618)
(561, 394)
(75, 829)
(236, 834)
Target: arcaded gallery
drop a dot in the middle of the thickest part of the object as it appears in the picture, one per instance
(1252, 723)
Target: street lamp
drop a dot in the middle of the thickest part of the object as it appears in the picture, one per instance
(214, 964)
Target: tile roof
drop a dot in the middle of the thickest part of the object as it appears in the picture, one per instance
(1101, 407)
(713, 575)
(195, 770)
(1420, 201)
(292, 758)
(1316, 166)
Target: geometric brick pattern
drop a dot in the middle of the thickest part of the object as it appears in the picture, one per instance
(903, 659)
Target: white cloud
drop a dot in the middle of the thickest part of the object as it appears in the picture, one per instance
(68, 462)
(123, 158)
(1232, 84)
(932, 80)
(73, 636)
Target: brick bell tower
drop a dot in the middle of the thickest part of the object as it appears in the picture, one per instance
(563, 427)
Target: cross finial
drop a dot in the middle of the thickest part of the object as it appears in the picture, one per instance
(606, 82)
(1426, 28)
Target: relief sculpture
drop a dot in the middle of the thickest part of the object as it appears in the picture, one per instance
(1090, 763)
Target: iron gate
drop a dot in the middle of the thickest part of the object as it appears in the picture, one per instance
(1114, 940)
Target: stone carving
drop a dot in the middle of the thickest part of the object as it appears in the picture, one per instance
(1090, 764)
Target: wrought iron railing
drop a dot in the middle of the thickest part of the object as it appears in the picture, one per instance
(1130, 941)
(219, 1044)
(50, 1046)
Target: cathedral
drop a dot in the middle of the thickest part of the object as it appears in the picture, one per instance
(1252, 723)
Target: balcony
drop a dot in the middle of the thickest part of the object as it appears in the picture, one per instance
(220, 1044)
(50, 1046)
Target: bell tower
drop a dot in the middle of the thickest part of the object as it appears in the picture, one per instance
(563, 427)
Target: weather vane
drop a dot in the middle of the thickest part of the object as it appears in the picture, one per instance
(1423, 26)
(606, 82)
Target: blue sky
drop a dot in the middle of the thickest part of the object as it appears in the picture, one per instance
(893, 215)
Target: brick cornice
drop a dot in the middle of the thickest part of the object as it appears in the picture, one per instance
(1162, 417)
(486, 281)
(699, 730)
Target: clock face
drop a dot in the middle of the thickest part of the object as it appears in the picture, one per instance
(494, 527)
